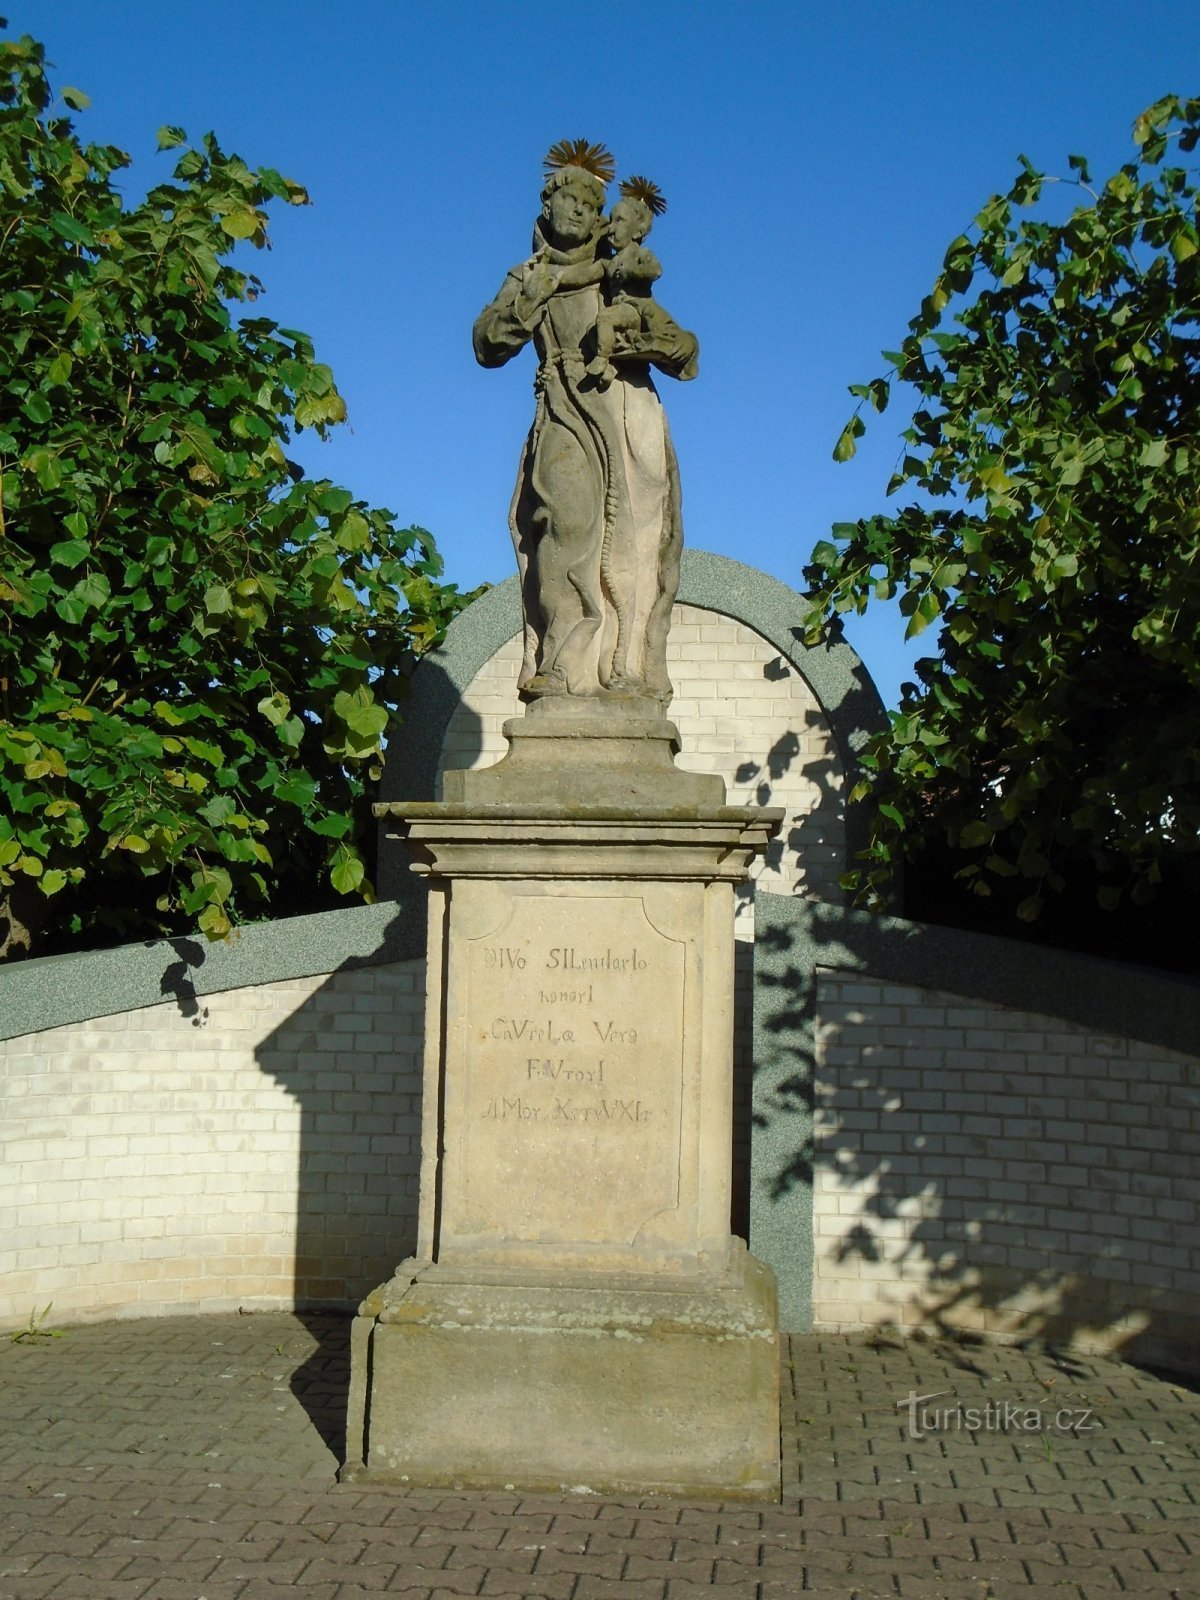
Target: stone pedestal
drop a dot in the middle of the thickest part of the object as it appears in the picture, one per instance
(578, 1313)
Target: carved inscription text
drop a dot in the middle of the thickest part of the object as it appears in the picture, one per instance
(573, 1035)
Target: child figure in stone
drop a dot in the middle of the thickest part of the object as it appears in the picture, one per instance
(629, 276)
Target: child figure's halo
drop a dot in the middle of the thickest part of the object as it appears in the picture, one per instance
(638, 188)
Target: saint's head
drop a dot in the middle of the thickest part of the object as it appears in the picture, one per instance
(572, 201)
(577, 176)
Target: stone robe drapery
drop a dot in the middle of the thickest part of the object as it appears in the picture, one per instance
(595, 515)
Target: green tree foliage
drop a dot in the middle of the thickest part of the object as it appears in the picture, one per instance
(200, 648)
(1054, 539)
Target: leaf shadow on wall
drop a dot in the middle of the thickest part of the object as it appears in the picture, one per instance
(979, 1206)
(808, 855)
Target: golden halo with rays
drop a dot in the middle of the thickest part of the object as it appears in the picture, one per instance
(593, 158)
(639, 188)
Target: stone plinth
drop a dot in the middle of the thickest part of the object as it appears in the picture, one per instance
(578, 1312)
(619, 1383)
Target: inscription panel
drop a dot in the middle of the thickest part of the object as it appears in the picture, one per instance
(568, 1107)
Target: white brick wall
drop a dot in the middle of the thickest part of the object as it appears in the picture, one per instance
(973, 1167)
(1000, 1171)
(262, 1150)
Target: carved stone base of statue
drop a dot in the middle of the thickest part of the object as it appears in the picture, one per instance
(584, 750)
(620, 1383)
(578, 1312)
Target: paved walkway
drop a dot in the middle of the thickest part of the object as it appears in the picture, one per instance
(194, 1459)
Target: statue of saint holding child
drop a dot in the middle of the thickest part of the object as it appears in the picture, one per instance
(595, 515)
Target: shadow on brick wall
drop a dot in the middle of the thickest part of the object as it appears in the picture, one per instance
(1016, 1164)
(812, 841)
(350, 1055)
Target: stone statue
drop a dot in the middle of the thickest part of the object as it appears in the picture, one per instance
(595, 515)
(629, 275)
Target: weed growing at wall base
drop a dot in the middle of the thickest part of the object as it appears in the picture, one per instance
(35, 1329)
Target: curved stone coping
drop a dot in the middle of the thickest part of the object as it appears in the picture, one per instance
(794, 937)
(54, 990)
(834, 672)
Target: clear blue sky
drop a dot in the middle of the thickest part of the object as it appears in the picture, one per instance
(817, 160)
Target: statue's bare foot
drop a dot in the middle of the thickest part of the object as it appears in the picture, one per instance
(545, 683)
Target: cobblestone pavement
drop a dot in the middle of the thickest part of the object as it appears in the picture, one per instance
(194, 1458)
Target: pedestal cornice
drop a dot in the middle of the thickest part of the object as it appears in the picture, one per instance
(453, 839)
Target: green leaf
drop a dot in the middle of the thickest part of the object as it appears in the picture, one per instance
(70, 228)
(354, 532)
(275, 707)
(995, 480)
(70, 552)
(846, 446)
(1153, 453)
(203, 750)
(1064, 566)
(76, 99)
(37, 408)
(93, 590)
(214, 923)
(298, 789)
(333, 501)
(347, 871)
(360, 713)
(169, 137)
(45, 466)
(218, 810)
(975, 834)
(928, 609)
(332, 827)
(241, 224)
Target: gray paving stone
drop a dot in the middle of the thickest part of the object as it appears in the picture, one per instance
(191, 1456)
